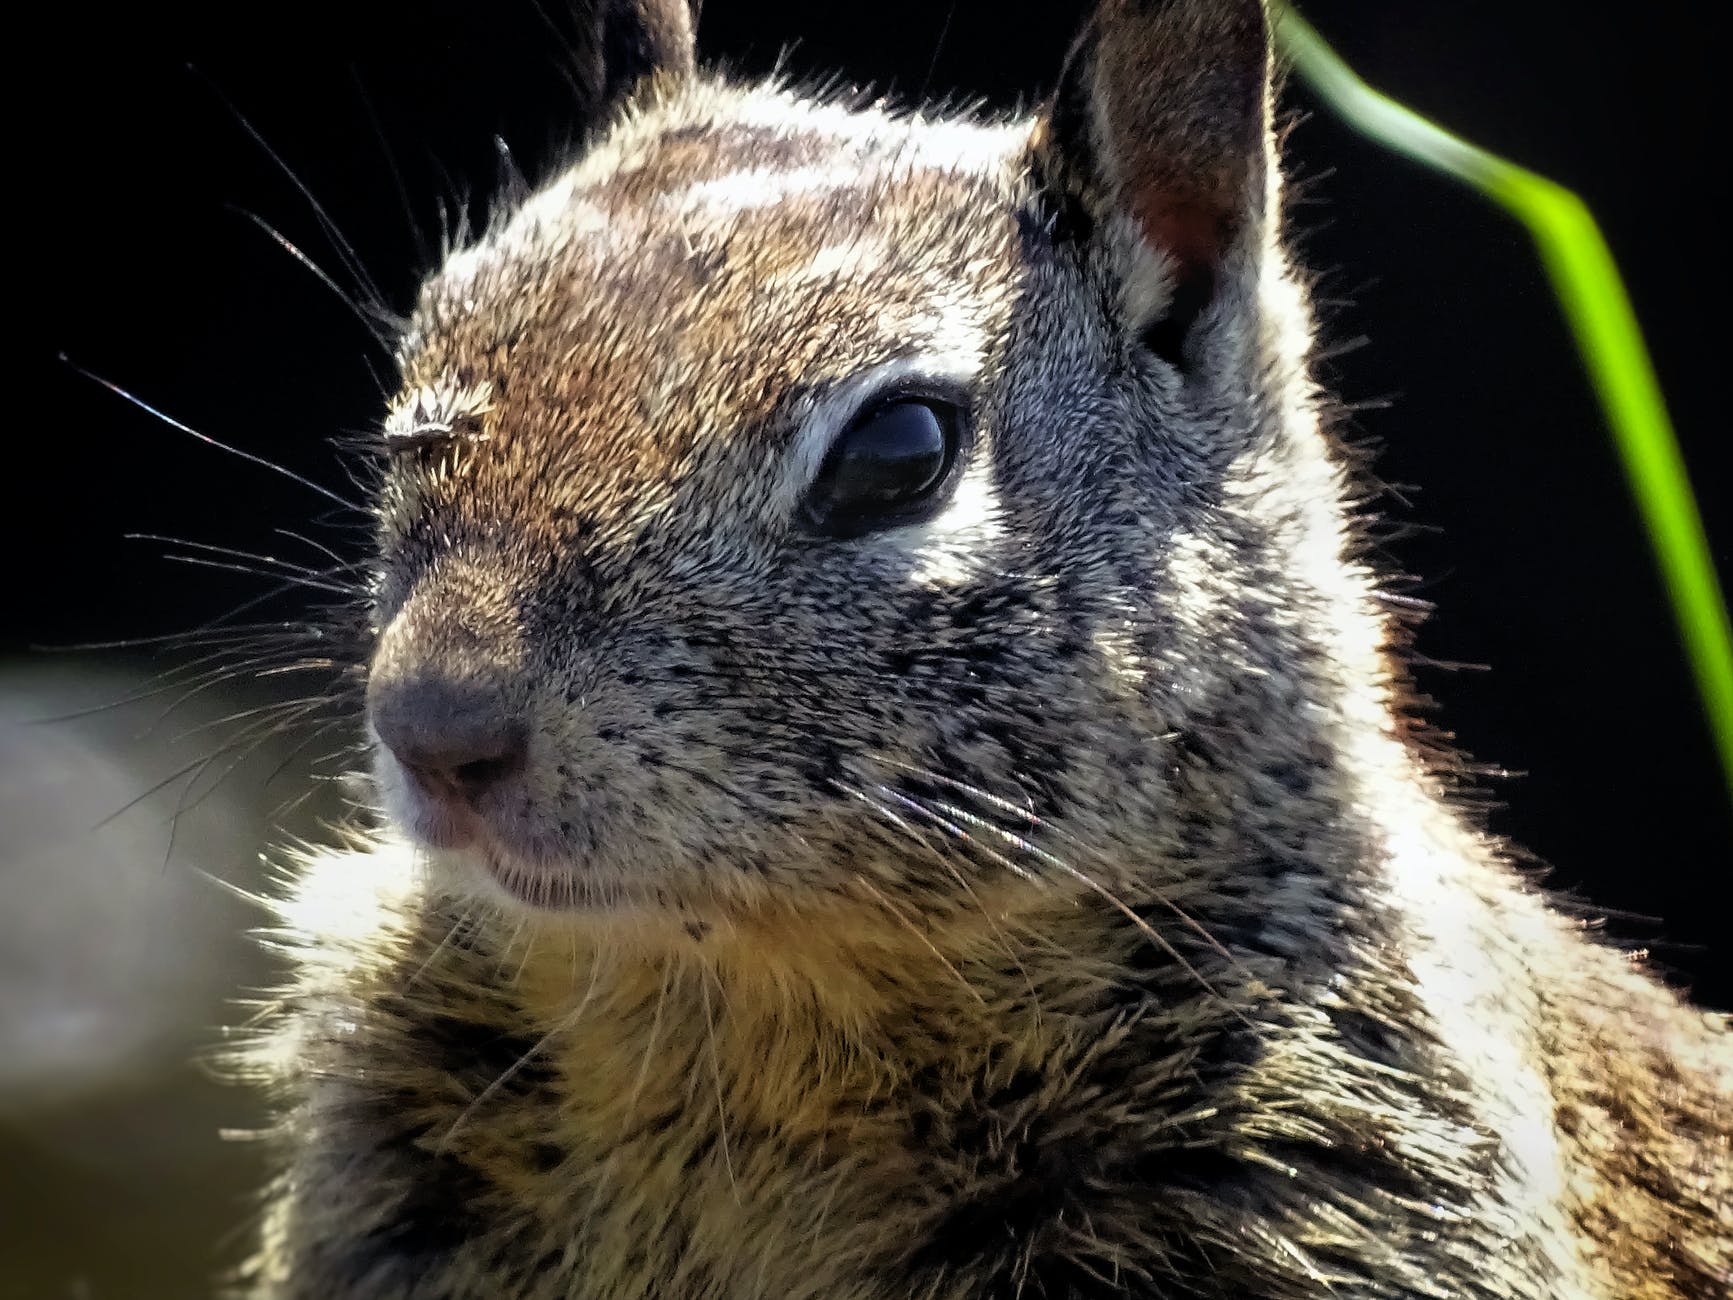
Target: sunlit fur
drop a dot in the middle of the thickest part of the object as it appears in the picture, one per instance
(1048, 899)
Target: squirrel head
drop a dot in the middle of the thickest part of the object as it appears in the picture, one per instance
(797, 503)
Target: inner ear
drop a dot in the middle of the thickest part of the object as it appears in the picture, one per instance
(1161, 119)
(1191, 289)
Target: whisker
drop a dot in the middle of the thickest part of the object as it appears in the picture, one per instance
(170, 679)
(368, 322)
(195, 636)
(206, 438)
(317, 545)
(226, 669)
(240, 554)
(1030, 818)
(517, 976)
(239, 715)
(422, 254)
(938, 49)
(285, 807)
(953, 819)
(650, 1042)
(1095, 886)
(956, 831)
(209, 632)
(345, 249)
(257, 734)
(629, 1111)
(463, 919)
(915, 836)
(252, 571)
(305, 666)
(915, 930)
(705, 976)
(505, 1076)
(254, 734)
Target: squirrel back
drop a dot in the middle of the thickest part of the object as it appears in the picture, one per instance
(897, 773)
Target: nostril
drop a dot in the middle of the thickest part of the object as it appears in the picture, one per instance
(457, 739)
(462, 767)
(479, 774)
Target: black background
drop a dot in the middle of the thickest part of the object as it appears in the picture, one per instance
(133, 261)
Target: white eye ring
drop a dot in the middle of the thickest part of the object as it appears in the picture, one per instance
(827, 417)
(891, 466)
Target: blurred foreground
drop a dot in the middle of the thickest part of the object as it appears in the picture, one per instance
(118, 957)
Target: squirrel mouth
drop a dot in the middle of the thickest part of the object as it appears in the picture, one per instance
(478, 847)
(543, 887)
(526, 872)
(469, 841)
(531, 872)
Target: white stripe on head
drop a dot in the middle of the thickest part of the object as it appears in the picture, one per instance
(758, 187)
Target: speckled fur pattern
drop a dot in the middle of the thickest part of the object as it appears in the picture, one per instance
(1050, 899)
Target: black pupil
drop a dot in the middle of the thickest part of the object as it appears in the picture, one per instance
(881, 466)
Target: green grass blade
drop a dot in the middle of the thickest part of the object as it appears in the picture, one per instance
(1586, 280)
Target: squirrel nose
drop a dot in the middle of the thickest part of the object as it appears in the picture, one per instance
(458, 738)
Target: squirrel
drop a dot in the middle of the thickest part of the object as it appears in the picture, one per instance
(897, 776)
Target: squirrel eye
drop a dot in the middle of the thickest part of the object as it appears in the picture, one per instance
(887, 468)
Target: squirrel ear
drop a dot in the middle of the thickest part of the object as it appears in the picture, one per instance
(624, 41)
(1162, 116)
